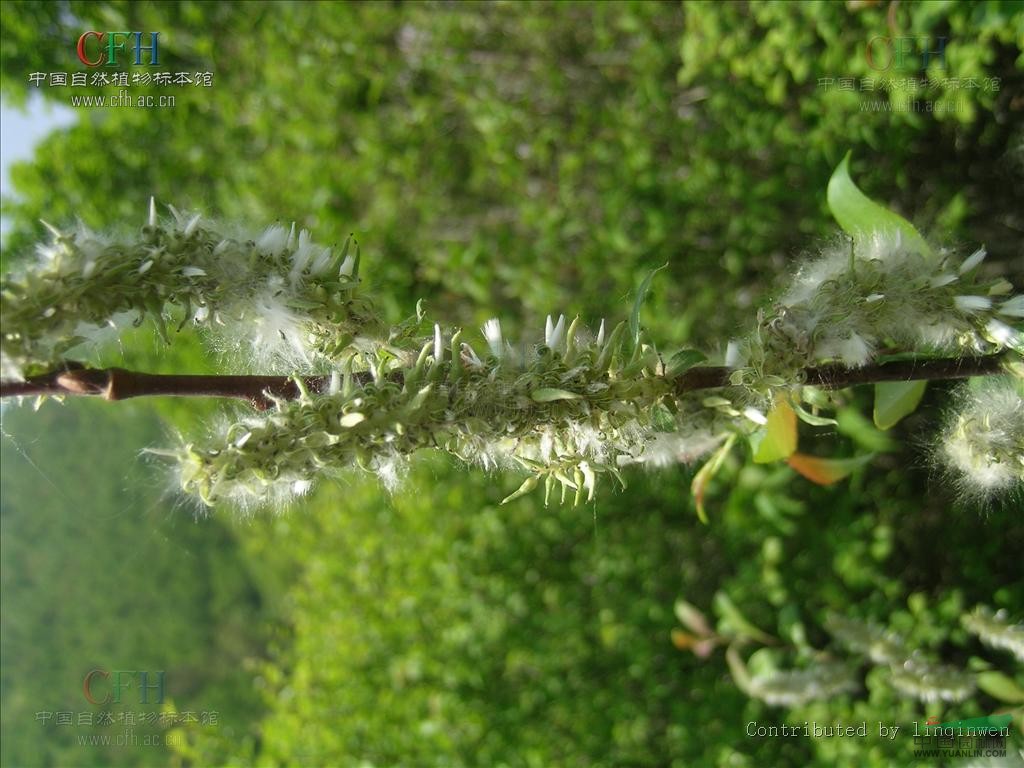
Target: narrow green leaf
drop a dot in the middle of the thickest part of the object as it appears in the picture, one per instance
(1001, 687)
(738, 669)
(812, 418)
(692, 618)
(683, 361)
(550, 395)
(634, 316)
(708, 471)
(736, 622)
(780, 435)
(852, 423)
(896, 399)
(859, 215)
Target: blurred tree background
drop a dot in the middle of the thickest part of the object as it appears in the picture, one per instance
(511, 160)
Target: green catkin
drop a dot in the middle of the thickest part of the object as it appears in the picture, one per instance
(566, 412)
(545, 415)
(277, 296)
(889, 295)
(996, 630)
(909, 673)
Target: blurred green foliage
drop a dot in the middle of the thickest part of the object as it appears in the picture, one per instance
(508, 159)
(515, 159)
(439, 628)
(103, 570)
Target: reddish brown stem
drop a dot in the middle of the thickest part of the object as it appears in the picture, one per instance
(120, 384)
(838, 376)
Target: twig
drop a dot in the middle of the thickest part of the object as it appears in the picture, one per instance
(839, 376)
(120, 384)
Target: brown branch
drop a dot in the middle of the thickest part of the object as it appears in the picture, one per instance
(119, 384)
(839, 376)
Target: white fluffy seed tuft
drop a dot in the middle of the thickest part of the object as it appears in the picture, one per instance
(983, 440)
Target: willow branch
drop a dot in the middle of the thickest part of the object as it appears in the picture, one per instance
(121, 384)
(839, 376)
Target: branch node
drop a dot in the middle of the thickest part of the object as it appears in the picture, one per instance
(84, 381)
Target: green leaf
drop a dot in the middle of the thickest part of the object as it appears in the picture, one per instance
(1001, 687)
(708, 471)
(826, 471)
(68, 344)
(550, 395)
(812, 418)
(738, 669)
(692, 619)
(852, 423)
(896, 399)
(780, 435)
(859, 215)
(816, 397)
(683, 361)
(634, 316)
(736, 623)
(662, 419)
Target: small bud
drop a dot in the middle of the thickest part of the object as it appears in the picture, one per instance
(972, 261)
(755, 415)
(972, 303)
(942, 280)
(492, 333)
(438, 344)
(1012, 307)
(554, 332)
(193, 223)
